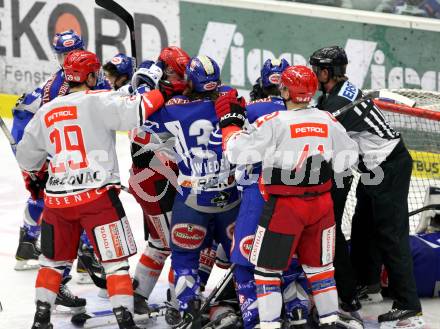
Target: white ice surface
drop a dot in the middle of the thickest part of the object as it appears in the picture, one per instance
(17, 288)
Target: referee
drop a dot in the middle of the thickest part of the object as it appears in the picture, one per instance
(380, 231)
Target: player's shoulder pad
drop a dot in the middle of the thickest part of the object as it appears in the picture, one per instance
(178, 100)
(349, 91)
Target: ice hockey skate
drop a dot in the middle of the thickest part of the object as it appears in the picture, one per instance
(27, 252)
(42, 316)
(402, 319)
(124, 318)
(67, 299)
(223, 317)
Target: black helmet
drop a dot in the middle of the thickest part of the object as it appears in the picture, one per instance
(330, 57)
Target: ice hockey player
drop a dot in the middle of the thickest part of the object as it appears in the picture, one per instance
(380, 230)
(204, 203)
(78, 131)
(23, 112)
(153, 181)
(119, 71)
(425, 249)
(297, 148)
(266, 100)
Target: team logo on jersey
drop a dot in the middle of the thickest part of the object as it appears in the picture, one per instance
(275, 78)
(60, 114)
(221, 199)
(68, 43)
(246, 245)
(309, 129)
(210, 86)
(116, 60)
(188, 236)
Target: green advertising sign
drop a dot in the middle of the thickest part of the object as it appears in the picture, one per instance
(241, 39)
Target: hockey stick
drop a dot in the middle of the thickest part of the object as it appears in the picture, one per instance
(106, 317)
(382, 94)
(370, 95)
(214, 294)
(425, 208)
(88, 264)
(8, 134)
(128, 19)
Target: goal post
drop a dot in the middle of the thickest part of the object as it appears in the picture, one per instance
(420, 129)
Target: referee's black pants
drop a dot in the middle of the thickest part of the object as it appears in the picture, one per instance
(344, 272)
(383, 208)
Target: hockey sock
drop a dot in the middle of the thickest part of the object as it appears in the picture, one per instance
(207, 261)
(269, 297)
(171, 297)
(324, 292)
(186, 278)
(148, 270)
(85, 240)
(187, 286)
(47, 284)
(247, 295)
(32, 232)
(119, 285)
(295, 293)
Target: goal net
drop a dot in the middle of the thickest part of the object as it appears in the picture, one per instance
(420, 129)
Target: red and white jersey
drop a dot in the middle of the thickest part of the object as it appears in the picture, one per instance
(286, 139)
(78, 132)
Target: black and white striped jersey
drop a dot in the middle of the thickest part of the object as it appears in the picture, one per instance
(365, 123)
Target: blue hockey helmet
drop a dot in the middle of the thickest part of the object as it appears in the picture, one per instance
(67, 41)
(123, 64)
(146, 64)
(204, 73)
(271, 71)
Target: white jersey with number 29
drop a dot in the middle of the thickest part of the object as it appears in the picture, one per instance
(78, 133)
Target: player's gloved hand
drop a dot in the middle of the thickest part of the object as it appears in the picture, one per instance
(148, 78)
(151, 102)
(35, 182)
(230, 109)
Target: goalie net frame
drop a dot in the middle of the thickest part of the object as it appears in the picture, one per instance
(425, 113)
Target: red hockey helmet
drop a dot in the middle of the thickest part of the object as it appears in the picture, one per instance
(301, 82)
(176, 58)
(78, 64)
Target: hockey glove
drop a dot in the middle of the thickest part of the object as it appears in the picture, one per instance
(230, 109)
(148, 78)
(35, 182)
